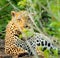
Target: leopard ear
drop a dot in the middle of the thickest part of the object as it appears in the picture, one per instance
(13, 13)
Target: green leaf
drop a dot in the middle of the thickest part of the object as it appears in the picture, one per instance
(46, 53)
(28, 33)
(56, 53)
(20, 36)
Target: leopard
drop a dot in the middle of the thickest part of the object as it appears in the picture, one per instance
(12, 32)
(15, 46)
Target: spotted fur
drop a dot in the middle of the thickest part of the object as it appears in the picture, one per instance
(12, 32)
(15, 46)
(36, 41)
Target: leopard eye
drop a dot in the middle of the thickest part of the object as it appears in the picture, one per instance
(18, 19)
(28, 18)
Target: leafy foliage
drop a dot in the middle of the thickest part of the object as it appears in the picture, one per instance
(50, 23)
(54, 28)
(22, 4)
(28, 33)
(48, 53)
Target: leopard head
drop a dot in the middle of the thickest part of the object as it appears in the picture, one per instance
(22, 18)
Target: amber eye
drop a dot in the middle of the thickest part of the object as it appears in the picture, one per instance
(18, 19)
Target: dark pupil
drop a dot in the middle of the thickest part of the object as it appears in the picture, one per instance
(26, 26)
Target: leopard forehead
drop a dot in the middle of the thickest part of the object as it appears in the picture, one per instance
(19, 14)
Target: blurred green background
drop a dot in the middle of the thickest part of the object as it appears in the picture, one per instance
(47, 16)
